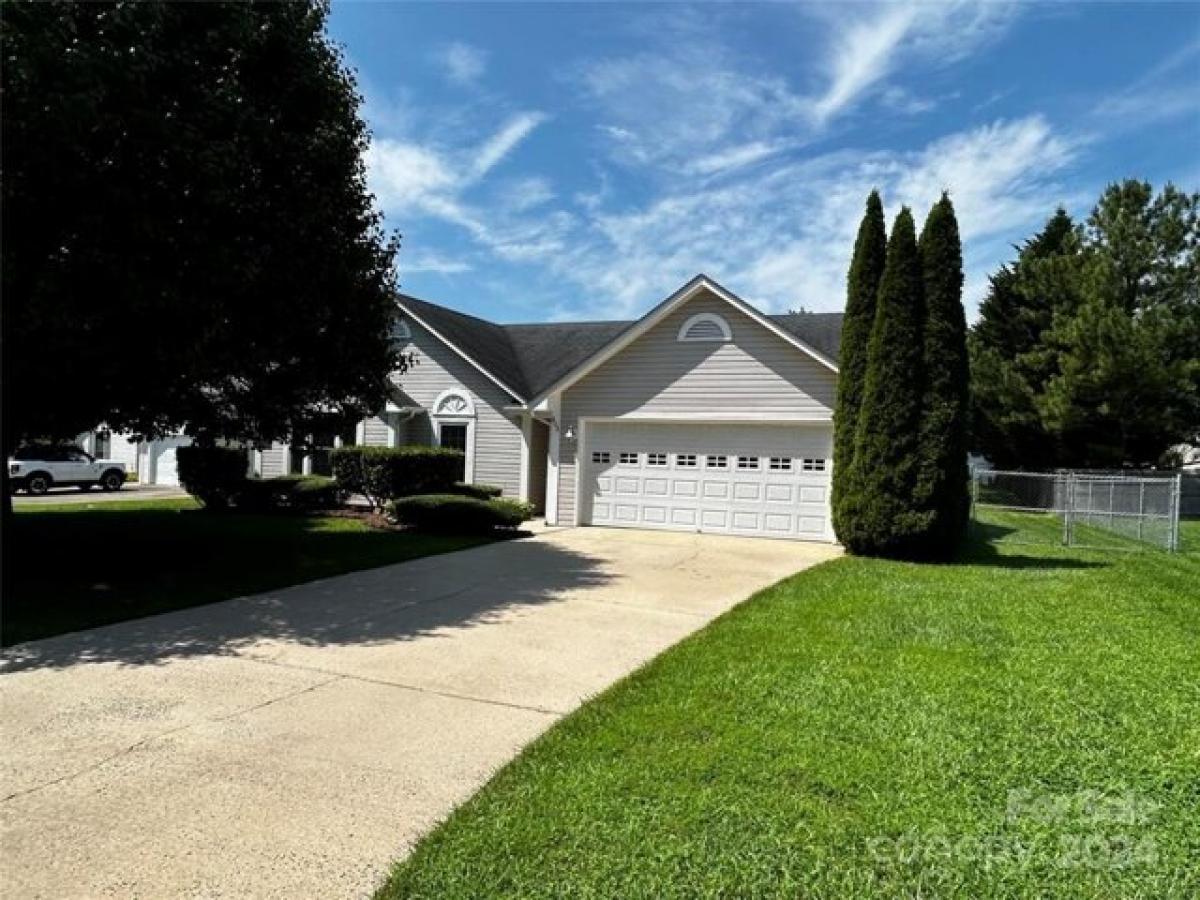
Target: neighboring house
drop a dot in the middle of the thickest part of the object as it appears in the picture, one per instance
(151, 462)
(703, 415)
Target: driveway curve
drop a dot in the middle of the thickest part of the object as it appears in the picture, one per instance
(295, 743)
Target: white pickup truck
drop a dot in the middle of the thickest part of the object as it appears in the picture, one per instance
(39, 467)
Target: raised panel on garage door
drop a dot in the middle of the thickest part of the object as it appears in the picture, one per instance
(727, 478)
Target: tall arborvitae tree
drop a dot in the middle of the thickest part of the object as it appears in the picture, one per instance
(942, 480)
(882, 518)
(862, 284)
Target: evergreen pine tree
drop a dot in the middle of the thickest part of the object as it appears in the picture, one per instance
(942, 479)
(882, 518)
(862, 284)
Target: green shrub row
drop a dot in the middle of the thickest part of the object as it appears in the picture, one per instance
(386, 473)
(455, 513)
(216, 476)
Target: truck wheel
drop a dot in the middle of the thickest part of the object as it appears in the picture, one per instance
(38, 483)
(112, 480)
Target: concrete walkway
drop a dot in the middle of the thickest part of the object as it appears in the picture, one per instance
(294, 744)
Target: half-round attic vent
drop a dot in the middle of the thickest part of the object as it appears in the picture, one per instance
(705, 327)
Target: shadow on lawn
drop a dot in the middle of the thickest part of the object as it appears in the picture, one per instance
(982, 549)
(398, 602)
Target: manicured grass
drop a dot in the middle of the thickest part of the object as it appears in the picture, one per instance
(74, 566)
(874, 729)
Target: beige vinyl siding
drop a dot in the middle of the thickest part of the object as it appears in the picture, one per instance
(376, 432)
(497, 435)
(757, 375)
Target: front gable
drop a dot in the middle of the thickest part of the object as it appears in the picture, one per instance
(706, 359)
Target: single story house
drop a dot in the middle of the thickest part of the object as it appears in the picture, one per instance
(703, 415)
(150, 462)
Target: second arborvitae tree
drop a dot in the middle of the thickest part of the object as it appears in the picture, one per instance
(862, 284)
(942, 478)
(886, 520)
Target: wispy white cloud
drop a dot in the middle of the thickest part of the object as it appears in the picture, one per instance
(503, 142)
(862, 53)
(867, 44)
(462, 62)
(900, 100)
(1163, 93)
(734, 157)
(522, 194)
(749, 233)
(433, 262)
(669, 108)
(779, 232)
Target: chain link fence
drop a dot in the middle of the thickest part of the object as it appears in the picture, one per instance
(1078, 509)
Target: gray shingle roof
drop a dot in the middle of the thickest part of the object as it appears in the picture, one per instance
(529, 358)
(821, 331)
(484, 342)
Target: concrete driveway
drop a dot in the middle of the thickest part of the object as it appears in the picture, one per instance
(73, 495)
(294, 744)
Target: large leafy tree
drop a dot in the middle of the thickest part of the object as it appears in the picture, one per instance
(942, 479)
(1087, 352)
(862, 284)
(881, 515)
(188, 238)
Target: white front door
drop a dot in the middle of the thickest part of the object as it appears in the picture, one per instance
(728, 478)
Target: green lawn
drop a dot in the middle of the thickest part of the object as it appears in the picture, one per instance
(73, 566)
(1024, 723)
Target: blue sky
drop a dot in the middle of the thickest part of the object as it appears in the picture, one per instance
(581, 161)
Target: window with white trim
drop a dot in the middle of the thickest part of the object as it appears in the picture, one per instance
(628, 459)
(656, 459)
(601, 457)
(716, 462)
(705, 327)
(813, 465)
(780, 464)
(401, 331)
(685, 460)
(747, 462)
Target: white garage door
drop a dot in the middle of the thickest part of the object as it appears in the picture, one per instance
(763, 480)
(163, 467)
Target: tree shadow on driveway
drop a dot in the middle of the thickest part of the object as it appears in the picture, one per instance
(371, 607)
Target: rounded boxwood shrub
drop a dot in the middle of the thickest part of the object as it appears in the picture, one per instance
(213, 475)
(457, 514)
(478, 491)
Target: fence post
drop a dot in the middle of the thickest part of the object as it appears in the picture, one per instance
(1173, 511)
(1068, 504)
(1141, 505)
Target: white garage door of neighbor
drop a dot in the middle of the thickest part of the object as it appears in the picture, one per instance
(763, 480)
(164, 469)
